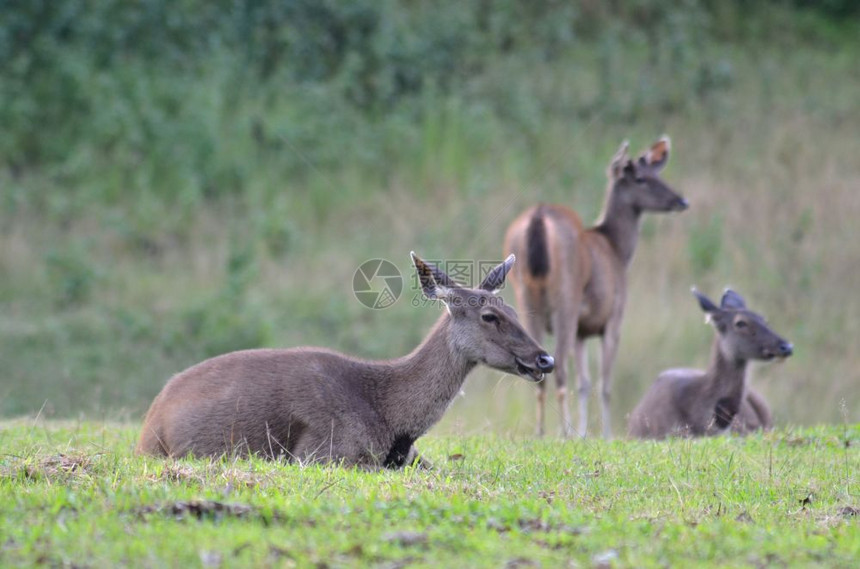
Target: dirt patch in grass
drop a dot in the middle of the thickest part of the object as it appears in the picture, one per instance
(59, 466)
(530, 525)
(231, 477)
(406, 538)
(200, 509)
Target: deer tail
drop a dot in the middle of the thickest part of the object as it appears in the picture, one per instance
(537, 252)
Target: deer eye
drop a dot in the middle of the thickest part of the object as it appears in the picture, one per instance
(639, 180)
(741, 324)
(489, 317)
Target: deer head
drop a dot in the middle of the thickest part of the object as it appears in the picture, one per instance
(637, 183)
(743, 334)
(482, 326)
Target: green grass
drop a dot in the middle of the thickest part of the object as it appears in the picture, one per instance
(73, 494)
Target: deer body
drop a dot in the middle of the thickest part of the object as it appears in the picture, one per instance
(574, 281)
(693, 396)
(312, 404)
(689, 402)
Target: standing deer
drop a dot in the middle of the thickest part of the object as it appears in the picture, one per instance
(574, 281)
(316, 405)
(691, 402)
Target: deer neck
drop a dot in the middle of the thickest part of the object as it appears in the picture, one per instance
(726, 376)
(619, 223)
(419, 387)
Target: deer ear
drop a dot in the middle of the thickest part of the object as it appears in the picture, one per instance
(442, 277)
(619, 161)
(429, 284)
(496, 278)
(629, 170)
(732, 301)
(705, 303)
(657, 156)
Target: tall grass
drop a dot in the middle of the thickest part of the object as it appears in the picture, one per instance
(239, 219)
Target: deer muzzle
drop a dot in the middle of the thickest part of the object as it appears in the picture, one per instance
(680, 204)
(535, 371)
(545, 363)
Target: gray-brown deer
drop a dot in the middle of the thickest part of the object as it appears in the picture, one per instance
(574, 281)
(689, 402)
(316, 405)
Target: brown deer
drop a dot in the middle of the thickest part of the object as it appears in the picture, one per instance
(316, 405)
(689, 402)
(574, 281)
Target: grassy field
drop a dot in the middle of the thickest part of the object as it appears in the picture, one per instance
(73, 495)
(179, 180)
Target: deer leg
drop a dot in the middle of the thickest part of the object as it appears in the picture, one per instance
(561, 392)
(535, 324)
(415, 459)
(540, 405)
(348, 441)
(581, 356)
(562, 349)
(609, 347)
(311, 447)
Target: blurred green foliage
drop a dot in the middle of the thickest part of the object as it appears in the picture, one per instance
(183, 99)
(705, 245)
(186, 99)
(72, 274)
(226, 320)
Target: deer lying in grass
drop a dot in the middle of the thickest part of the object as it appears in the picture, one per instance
(691, 402)
(316, 405)
(574, 283)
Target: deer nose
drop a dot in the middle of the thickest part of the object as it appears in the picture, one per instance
(682, 204)
(545, 363)
(785, 349)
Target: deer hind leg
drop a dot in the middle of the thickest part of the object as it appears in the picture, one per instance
(564, 332)
(580, 354)
(152, 442)
(609, 348)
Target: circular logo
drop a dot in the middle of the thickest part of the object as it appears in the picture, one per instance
(377, 284)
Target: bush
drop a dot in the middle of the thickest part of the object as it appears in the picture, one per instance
(153, 96)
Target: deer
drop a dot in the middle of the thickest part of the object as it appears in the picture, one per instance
(314, 405)
(695, 403)
(574, 281)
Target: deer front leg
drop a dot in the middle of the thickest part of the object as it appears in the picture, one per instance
(540, 405)
(580, 354)
(609, 348)
(414, 458)
(564, 332)
(535, 324)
